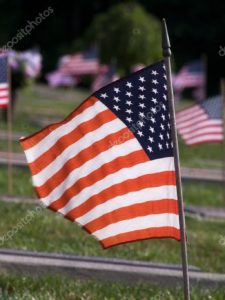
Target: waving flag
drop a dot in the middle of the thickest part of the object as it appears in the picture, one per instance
(109, 165)
(4, 86)
(202, 123)
(191, 75)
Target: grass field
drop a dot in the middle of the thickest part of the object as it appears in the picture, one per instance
(57, 288)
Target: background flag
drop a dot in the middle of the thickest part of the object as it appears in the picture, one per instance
(109, 165)
(202, 123)
(107, 74)
(4, 85)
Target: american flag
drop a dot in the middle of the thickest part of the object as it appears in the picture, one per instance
(202, 123)
(4, 86)
(109, 166)
(82, 63)
(190, 76)
(107, 74)
(57, 78)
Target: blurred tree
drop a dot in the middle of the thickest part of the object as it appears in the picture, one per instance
(126, 34)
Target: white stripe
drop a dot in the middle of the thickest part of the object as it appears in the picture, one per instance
(188, 114)
(200, 125)
(71, 151)
(90, 166)
(149, 167)
(209, 130)
(148, 194)
(3, 85)
(160, 220)
(189, 117)
(4, 101)
(187, 111)
(205, 138)
(47, 142)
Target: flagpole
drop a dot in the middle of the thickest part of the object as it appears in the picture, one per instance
(167, 54)
(222, 87)
(9, 133)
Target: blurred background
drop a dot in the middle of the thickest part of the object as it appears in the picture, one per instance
(60, 52)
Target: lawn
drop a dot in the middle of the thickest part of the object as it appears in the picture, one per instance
(48, 231)
(13, 287)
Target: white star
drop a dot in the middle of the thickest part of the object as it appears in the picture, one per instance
(164, 107)
(129, 119)
(152, 120)
(154, 100)
(162, 126)
(129, 84)
(155, 81)
(141, 114)
(129, 103)
(171, 144)
(168, 124)
(116, 90)
(153, 109)
(165, 87)
(140, 133)
(155, 91)
(160, 146)
(141, 124)
(142, 97)
(142, 79)
(164, 76)
(154, 72)
(161, 137)
(163, 117)
(152, 129)
(142, 105)
(167, 145)
(129, 94)
(116, 107)
(129, 111)
(164, 67)
(168, 135)
(141, 88)
(164, 96)
(151, 139)
(116, 99)
(149, 149)
(104, 95)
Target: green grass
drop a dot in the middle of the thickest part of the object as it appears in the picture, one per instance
(43, 230)
(14, 287)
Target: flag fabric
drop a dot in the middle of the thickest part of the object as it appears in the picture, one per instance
(82, 63)
(190, 76)
(109, 166)
(202, 123)
(107, 74)
(4, 85)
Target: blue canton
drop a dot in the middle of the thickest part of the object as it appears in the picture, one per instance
(141, 102)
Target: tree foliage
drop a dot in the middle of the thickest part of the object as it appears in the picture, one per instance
(127, 34)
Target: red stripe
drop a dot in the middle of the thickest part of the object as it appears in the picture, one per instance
(34, 139)
(117, 164)
(137, 235)
(125, 187)
(133, 211)
(83, 156)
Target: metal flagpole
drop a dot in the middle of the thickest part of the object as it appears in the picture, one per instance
(9, 133)
(167, 54)
(222, 87)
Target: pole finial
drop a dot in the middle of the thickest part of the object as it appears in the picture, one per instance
(165, 40)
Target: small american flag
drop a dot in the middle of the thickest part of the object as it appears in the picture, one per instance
(4, 86)
(83, 63)
(190, 76)
(202, 123)
(109, 166)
